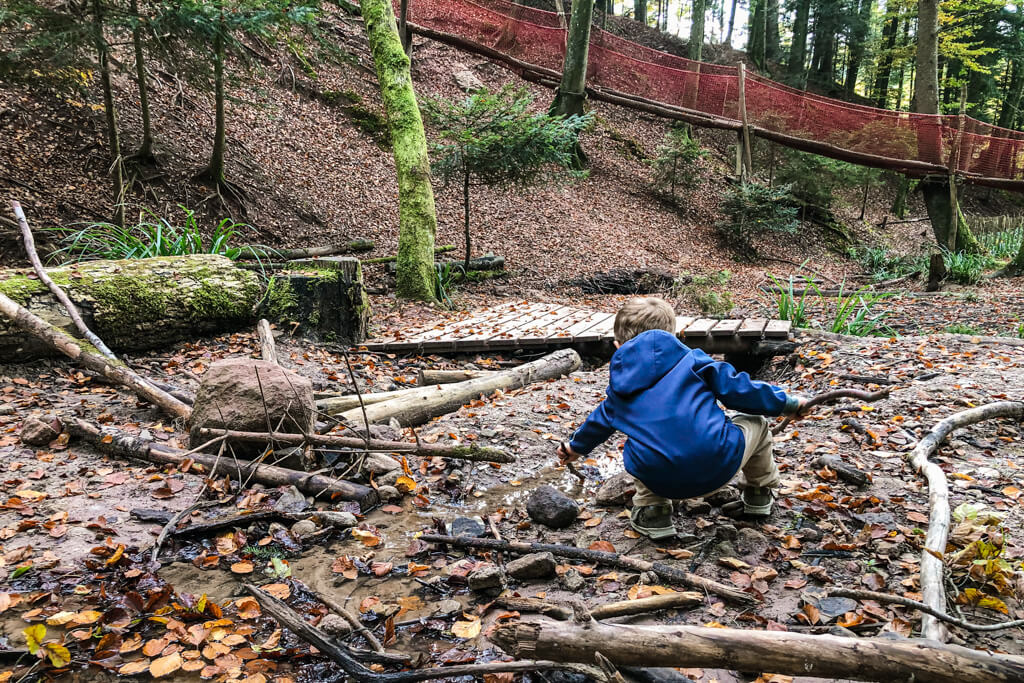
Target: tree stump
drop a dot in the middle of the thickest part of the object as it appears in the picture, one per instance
(328, 303)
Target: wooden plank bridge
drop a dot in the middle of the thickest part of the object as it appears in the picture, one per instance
(525, 325)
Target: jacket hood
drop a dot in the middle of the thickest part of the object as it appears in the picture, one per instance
(642, 361)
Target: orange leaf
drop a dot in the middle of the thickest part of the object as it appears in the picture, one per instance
(132, 668)
(281, 591)
(165, 665)
(243, 567)
(603, 546)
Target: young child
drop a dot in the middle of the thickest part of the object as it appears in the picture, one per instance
(664, 396)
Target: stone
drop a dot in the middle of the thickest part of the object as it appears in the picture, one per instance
(618, 489)
(333, 625)
(532, 566)
(378, 464)
(35, 432)
(810, 534)
(837, 630)
(486, 577)
(446, 608)
(726, 532)
(722, 496)
(696, 506)
(468, 526)
(384, 432)
(722, 549)
(550, 507)
(304, 528)
(336, 519)
(244, 393)
(488, 433)
(389, 494)
(467, 80)
(572, 581)
(751, 542)
(388, 478)
(291, 500)
(833, 608)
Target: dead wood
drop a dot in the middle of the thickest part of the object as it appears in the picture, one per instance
(125, 445)
(353, 620)
(268, 349)
(60, 294)
(432, 377)
(831, 397)
(666, 572)
(868, 379)
(932, 579)
(257, 252)
(336, 405)
(90, 358)
(606, 611)
(288, 618)
(847, 473)
(819, 656)
(472, 453)
(420, 405)
(921, 607)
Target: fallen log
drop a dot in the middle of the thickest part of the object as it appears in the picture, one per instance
(262, 253)
(844, 471)
(608, 610)
(819, 656)
(420, 405)
(127, 446)
(268, 349)
(830, 397)
(443, 249)
(433, 377)
(886, 598)
(427, 450)
(933, 590)
(89, 358)
(666, 572)
(336, 405)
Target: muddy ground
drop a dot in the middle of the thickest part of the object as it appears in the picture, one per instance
(68, 510)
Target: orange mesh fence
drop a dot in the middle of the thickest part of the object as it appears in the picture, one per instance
(897, 140)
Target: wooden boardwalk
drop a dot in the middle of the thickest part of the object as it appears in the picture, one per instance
(525, 325)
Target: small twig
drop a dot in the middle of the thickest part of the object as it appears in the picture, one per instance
(921, 607)
(359, 395)
(829, 397)
(173, 521)
(353, 620)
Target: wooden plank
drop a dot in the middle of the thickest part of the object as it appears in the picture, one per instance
(699, 327)
(557, 331)
(482, 318)
(682, 322)
(726, 328)
(511, 320)
(752, 327)
(581, 331)
(537, 332)
(778, 329)
(440, 327)
(604, 329)
(539, 312)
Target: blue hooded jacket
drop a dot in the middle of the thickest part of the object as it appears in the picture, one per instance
(663, 396)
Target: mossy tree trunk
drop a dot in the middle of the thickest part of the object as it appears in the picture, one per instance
(572, 91)
(798, 46)
(640, 10)
(113, 136)
(145, 151)
(1016, 266)
(416, 213)
(697, 29)
(215, 171)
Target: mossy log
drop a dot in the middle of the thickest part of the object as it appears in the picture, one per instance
(135, 304)
(328, 304)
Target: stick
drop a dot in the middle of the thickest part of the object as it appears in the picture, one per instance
(831, 396)
(921, 607)
(353, 621)
(311, 634)
(472, 453)
(847, 473)
(268, 350)
(607, 611)
(932, 580)
(428, 377)
(663, 570)
(60, 294)
(77, 351)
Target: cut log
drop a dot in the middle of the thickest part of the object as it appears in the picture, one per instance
(933, 591)
(127, 446)
(336, 405)
(666, 572)
(819, 656)
(433, 377)
(606, 611)
(356, 245)
(420, 405)
(427, 450)
(626, 281)
(87, 356)
(268, 349)
(327, 304)
(135, 304)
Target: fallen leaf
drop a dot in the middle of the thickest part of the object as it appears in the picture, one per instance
(466, 629)
(165, 665)
(281, 591)
(603, 546)
(243, 567)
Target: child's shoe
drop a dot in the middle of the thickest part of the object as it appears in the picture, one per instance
(755, 501)
(653, 521)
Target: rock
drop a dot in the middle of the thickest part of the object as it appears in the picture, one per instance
(687, 539)
(468, 526)
(333, 625)
(35, 432)
(617, 490)
(832, 608)
(6, 409)
(231, 397)
(467, 80)
(388, 478)
(722, 549)
(532, 566)
(304, 528)
(549, 506)
(384, 432)
(388, 494)
(447, 607)
(276, 527)
(722, 496)
(837, 630)
(726, 532)
(486, 577)
(650, 578)
(291, 500)
(378, 464)
(696, 506)
(572, 581)
(336, 519)
(810, 534)
(751, 542)
(488, 433)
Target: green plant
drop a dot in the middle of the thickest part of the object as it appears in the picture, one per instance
(706, 293)
(754, 209)
(853, 313)
(1020, 331)
(676, 163)
(446, 275)
(788, 303)
(961, 328)
(1004, 244)
(966, 268)
(815, 179)
(881, 264)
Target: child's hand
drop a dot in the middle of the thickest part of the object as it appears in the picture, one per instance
(566, 454)
(802, 409)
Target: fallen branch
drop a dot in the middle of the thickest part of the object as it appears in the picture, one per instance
(473, 453)
(287, 617)
(830, 397)
(444, 248)
(353, 620)
(257, 252)
(921, 607)
(663, 570)
(846, 472)
(818, 656)
(606, 611)
(79, 352)
(60, 294)
(268, 350)
(336, 405)
(431, 377)
(932, 580)
(125, 445)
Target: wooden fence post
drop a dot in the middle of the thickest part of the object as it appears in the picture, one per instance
(954, 161)
(745, 131)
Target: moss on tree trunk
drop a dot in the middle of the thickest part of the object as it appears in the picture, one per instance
(416, 213)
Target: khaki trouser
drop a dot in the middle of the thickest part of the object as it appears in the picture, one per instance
(757, 469)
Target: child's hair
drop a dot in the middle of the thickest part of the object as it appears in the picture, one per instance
(642, 314)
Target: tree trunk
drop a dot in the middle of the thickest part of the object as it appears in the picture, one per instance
(697, 31)
(640, 10)
(136, 304)
(1012, 100)
(798, 48)
(858, 43)
(732, 23)
(772, 47)
(572, 90)
(428, 378)
(306, 252)
(417, 407)
(820, 656)
(465, 213)
(885, 61)
(145, 151)
(1016, 267)
(113, 136)
(756, 25)
(336, 405)
(215, 170)
(417, 216)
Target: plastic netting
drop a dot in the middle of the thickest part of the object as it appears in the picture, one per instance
(879, 137)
